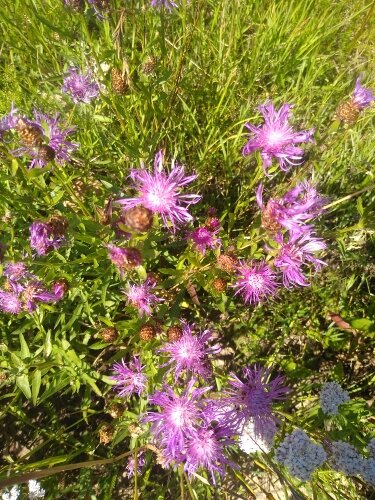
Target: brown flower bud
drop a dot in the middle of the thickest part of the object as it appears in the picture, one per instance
(116, 410)
(147, 332)
(149, 66)
(58, 224)
(30, 135)
(106, 433)
(226, 262)
(46, 153)
(109, 334)
(219, 285)
(174, 333)
(118, 82)
(138, 218)
(348, 112)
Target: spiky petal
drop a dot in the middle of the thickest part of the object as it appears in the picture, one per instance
(362, 97)
(160, 192)
(276, 138)
(255, 282)
(80, 86)
(129, 377)
(141, 297)
(203, 239)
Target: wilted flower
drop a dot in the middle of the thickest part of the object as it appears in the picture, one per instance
(177, 419)
(168, 4)
(124, 258)
(129, 377)
(190, 353)
(81, 87)
(331, 397)
(130, 466)
(56, 144)
(300, 454)
(362, 97)
(160, 192)
(203, 238)
(295, 254)
(276, 138)
(140, 296)
(253, 398)
(256, 282)
(250, 442)
(43, 237)
(292, 210)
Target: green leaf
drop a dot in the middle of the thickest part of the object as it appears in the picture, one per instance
(36, 381)
(362, 324)
(25, 352)
(22, 382)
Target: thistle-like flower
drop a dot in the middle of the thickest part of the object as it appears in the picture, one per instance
(44, 238)
(295, 254)
(190, 353)
(298, 205)
(81, 87)
(34, 292)
(177, 419)
(10, 303)
(124, 258)
(160, 192)
(276, 138)
(203, 239)
(362, 97)
(130, 466)
(253, 397)
(129, 377)
(255, 283)
(56, 144)
(141, 297)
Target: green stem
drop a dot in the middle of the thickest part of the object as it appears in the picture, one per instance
(182, 487)
(349, 196)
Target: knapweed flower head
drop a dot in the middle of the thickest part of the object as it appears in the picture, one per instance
(34, 292)
(300, 455)
(177, 419)
(205, 448)
(124, 258)
(44, 238)
(255, 282)
(345, 458)
(253, 396)
(291, 212)
(129, 377)
(56, 146)
(160, 192)
(190, 353)
(10, 302)
(141, 297)
(16, 271)
(276, 138)
(203, 239)
(332, 396)
(167, 4)
(362, 97)
(249, 442)
(130, 466)
(80, 86)
(297, 253)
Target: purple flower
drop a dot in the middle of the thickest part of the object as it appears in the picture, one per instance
(10, 303)
(160, 192)
(256, 282)
(362, 97)
(124, 258)
(203, 238)
(129, 377)
(295, 254)
(140, 296)
(15, 271)
(81, 87)
(253, 398)
(55, 138)
(190, 353)
(177, 419)
(130, 466)
(168, 4)
(9, 121)
(205, 448)
(99, 6)
(292, 210)
(34, 292)
(43, 238)
(276, 138)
